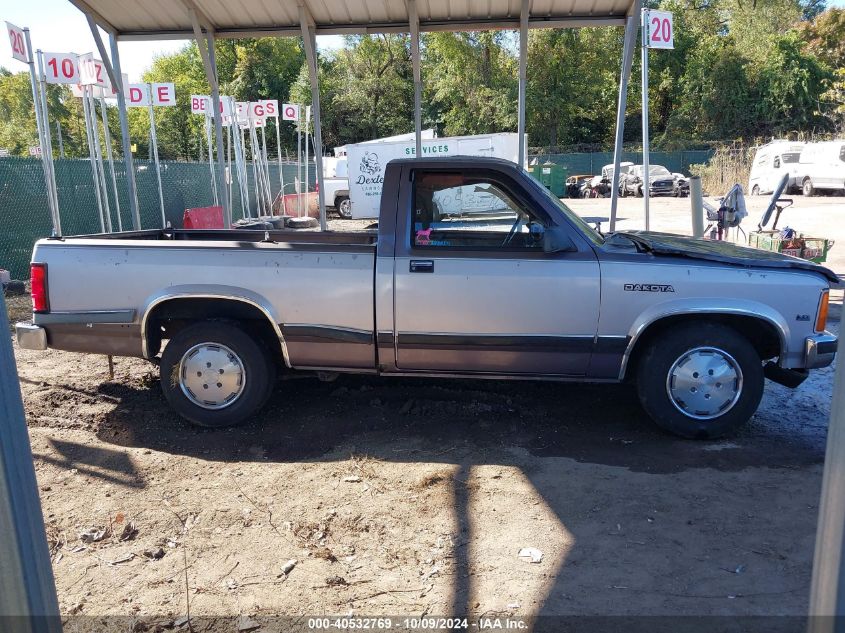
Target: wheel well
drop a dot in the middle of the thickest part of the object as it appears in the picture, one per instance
(167, 318)
(762, 335)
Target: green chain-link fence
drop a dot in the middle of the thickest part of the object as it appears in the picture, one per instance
(25, 215)
(25, 218)
(592, 162)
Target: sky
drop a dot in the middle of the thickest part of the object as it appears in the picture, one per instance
(57, 26)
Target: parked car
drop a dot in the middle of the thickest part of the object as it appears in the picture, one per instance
(520, 289)
(821, 166)
(624, 168)
(771, 162)
(598, 187)
(661, 181)
(681, 188)
(575, 185)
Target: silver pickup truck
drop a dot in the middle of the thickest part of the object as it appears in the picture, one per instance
(517, 288)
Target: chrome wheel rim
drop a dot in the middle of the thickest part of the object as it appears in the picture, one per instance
(211, 376)
(704, 383)
(345, 208)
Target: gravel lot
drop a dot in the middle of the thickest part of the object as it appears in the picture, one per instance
(406, 497)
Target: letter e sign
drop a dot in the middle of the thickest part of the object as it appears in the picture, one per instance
(164, 94)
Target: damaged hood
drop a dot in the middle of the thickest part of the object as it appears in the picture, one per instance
(716, 251)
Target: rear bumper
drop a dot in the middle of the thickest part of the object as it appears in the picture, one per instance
(819, 350)
(31, 336)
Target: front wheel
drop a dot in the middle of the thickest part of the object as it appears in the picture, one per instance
(755, 190)
(215, 374)
(700, 381)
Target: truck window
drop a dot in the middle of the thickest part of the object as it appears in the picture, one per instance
(453, 210)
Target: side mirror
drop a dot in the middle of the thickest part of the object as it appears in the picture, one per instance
(556, 240)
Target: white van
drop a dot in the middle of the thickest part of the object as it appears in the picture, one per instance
(771, 161)
(822, 166)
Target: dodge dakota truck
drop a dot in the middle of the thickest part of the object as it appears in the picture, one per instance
(513, 287)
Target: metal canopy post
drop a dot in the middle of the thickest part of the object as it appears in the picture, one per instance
(414, 23)
(27, 590)
(125, 141)
(523, 63)
(218, 130)
(627, 60)
(309, 38)
(205, 44)
(827, 591)
(646, 175)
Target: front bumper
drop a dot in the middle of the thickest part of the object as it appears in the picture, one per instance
(31, 336)
(819, 350)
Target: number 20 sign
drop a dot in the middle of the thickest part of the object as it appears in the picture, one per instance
(16, 39)
(661, 31)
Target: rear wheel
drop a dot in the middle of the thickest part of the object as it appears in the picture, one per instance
(344, 207)
(755, 190)
(807, 187)
(700, 381)
(215, 374)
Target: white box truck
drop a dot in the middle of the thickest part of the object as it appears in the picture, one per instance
(366, 163)
(822, 166)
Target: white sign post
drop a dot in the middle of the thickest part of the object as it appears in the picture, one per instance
(92, 74)
(149, 95)
(657, 32)
(22, 51)
(201, 104)
(47, 145)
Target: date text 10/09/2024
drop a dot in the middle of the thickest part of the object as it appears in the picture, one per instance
(412, 624)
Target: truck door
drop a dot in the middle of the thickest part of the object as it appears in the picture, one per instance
(474, 290)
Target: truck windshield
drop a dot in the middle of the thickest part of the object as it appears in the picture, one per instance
(591, 233)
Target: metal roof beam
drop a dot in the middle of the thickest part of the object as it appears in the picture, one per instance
(104, 56)
(567, 22)
(197, 14)
(104, 24)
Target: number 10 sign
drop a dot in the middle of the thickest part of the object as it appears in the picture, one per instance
(661, 32)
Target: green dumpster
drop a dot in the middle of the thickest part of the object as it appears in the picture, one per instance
(551, 176)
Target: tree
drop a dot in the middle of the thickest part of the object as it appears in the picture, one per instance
(470, 82)
(791, 84)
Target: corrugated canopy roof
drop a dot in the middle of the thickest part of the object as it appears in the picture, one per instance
(166, 19)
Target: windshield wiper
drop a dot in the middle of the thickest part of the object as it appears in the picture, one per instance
(643, 245)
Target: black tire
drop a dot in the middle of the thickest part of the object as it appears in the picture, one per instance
(807, 188)
(344, 208)
(304, 222)
(259, 373)
(639, 192)
(661, 356)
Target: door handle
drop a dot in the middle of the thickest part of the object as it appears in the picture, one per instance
(422, 266)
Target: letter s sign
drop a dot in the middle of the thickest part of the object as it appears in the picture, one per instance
(271, 107)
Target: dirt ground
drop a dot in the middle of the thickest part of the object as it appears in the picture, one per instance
(406, 497)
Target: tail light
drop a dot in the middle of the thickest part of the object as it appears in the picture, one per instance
(821, 318)
(38, 276)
